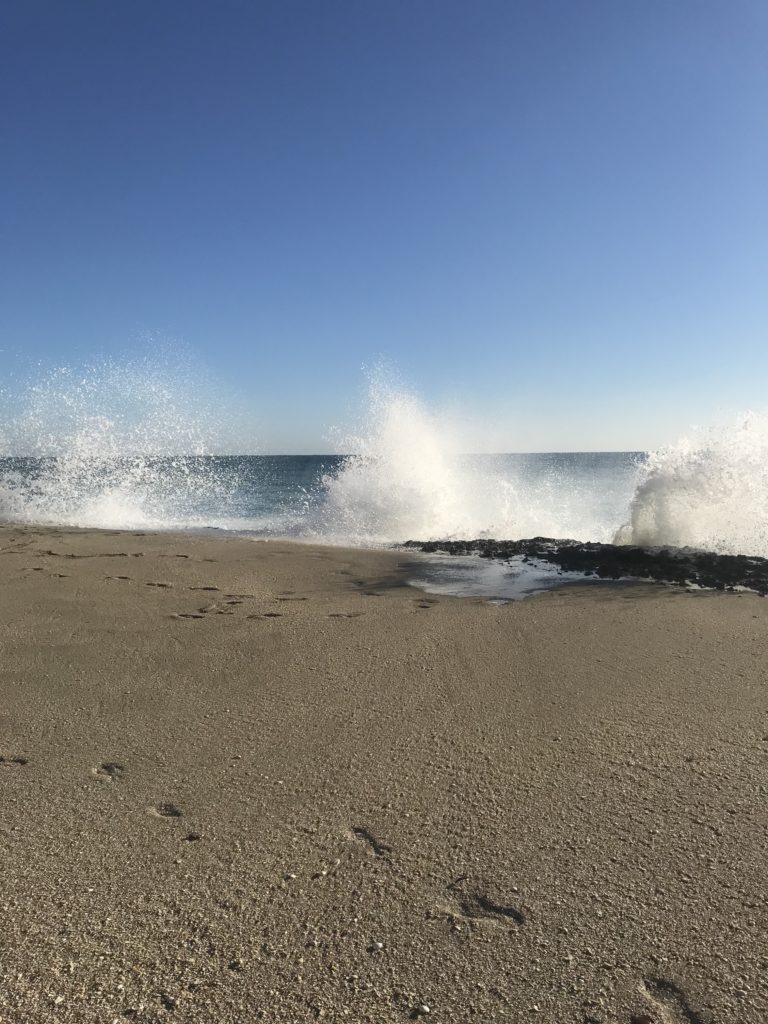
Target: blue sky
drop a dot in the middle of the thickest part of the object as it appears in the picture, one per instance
(551, 215)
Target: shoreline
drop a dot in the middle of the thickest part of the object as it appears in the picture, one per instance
(268, 780)
(537, 561)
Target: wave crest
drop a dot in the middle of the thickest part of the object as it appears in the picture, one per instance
(709, 491)
(110, 445)
(407, 481)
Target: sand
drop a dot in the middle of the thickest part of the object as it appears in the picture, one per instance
(247, 781)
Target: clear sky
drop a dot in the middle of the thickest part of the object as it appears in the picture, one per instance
(553, 215)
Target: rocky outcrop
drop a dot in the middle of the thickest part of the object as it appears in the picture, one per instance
(683, 566)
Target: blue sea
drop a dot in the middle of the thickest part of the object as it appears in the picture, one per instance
(131, 447)
(340, 499)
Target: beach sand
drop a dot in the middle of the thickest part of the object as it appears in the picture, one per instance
(248, 781)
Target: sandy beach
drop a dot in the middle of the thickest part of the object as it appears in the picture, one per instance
(246, 780)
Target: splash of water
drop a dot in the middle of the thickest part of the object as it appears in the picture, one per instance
(400, 481)
(407, 481)
(708, 491)
(126, 446)
(112, 445)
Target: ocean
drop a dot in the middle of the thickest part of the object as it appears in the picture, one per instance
(333, 498)
(109, 448)
(370, 500)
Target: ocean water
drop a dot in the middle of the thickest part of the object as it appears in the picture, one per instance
(129, 448)
(327, 497)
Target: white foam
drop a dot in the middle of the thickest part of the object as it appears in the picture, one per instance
(405, 481)
(118, 445)
(708, 491)
(121, 447)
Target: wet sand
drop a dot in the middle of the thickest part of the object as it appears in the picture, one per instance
(247, 781)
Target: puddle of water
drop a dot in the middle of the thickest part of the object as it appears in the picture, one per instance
(488, 578)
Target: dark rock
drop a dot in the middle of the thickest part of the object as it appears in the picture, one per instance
(682, 566)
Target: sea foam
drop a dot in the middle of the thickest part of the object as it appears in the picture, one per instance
(130, 446)
(409, 479)
(707, 491)
(110, 445)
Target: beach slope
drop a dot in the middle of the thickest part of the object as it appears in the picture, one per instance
(245, 780)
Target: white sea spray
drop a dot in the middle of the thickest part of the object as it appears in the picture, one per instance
(406, 479)
(707, 491)
(130, 445)
(111, 445)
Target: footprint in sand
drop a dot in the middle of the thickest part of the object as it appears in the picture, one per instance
(345, 615)
(165, 811)
(217, 609)
(11, 761)
(188, 615)
(369, 592)
(164, 586)
(473, 903)
(377, 847)
(110, 770)
(203, 588)
(669, 1002)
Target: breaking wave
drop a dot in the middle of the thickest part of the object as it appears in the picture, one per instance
(131, 446)
(110, 445)
(708, 491)
(407, 479)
